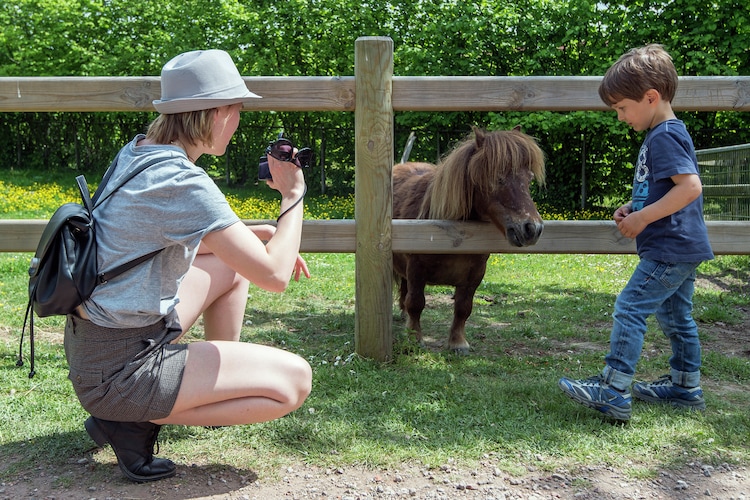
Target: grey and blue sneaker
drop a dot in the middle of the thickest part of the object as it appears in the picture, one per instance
(664, 391)
(596, 394)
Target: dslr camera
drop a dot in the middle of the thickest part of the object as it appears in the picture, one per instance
(282, 149)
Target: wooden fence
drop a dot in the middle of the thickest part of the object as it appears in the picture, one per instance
(374, 94)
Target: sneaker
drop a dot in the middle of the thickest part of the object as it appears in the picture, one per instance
(664, 391)
(594, 393)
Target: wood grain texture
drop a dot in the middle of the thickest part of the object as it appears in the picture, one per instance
(438, 236)
(410, 93)
(373, 206)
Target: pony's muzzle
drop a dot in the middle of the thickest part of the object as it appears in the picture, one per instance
(525, 234)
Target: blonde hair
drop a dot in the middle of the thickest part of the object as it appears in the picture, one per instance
(636, 72)
(192, 127)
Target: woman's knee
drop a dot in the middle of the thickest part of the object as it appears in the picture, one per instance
(300, 373)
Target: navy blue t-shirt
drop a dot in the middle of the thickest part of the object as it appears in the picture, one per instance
(681, 237)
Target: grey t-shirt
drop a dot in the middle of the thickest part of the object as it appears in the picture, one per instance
(171, 205)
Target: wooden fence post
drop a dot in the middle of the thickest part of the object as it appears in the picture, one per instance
(373, 194)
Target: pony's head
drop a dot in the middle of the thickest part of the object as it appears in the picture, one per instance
(487, 177)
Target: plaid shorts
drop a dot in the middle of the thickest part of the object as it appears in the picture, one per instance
(124, 374)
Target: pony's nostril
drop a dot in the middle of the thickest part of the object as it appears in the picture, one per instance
(534, 230)
(524, 234)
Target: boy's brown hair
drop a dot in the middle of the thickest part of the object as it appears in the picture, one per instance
(637, 71)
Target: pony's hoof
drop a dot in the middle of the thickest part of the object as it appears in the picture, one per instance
(461, 351)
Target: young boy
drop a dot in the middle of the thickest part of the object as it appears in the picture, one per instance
(665, 217)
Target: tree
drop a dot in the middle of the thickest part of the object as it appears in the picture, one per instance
(316, 38)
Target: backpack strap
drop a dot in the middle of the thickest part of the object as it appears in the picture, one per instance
(103, 183)
(28, 318)
(85, 196)
(98, 198)
(105, 277)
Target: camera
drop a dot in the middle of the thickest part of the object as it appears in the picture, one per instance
(283, 150)
(264, 173)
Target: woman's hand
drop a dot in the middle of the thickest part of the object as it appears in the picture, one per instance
(287, 177)
(300, 267)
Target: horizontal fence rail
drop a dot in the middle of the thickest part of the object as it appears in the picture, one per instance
(410, 93)
(441, 236)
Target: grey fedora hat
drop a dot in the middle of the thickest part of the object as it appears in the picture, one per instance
(200, 79)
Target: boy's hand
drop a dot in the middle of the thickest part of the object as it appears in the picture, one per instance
(629, 223)
(687, 188)
(632, 224)
(622, 212)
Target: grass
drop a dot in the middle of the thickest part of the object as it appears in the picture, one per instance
(536, 318)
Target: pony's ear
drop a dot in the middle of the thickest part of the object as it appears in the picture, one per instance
(478, 136)
(517, 128)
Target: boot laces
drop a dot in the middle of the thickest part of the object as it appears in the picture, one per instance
(154, 438)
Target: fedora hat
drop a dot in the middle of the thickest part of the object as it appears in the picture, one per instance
(201, 79)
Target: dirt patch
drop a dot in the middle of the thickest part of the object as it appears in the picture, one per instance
(79, 481)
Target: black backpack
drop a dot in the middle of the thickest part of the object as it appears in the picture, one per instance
(63, 272)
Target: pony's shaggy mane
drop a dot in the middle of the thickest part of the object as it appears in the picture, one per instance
(480, 161)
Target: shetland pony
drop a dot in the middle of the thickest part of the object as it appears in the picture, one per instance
(486, 177)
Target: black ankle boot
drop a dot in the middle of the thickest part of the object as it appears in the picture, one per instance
(133, 444)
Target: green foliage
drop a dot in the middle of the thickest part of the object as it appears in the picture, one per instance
(316, 38)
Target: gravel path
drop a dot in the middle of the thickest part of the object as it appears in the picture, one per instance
(695, 481)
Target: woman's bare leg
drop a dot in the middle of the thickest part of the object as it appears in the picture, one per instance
(229, 383)
(213, 289)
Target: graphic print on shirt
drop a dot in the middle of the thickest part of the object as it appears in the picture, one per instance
(641, 184)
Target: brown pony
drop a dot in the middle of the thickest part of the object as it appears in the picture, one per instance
(485, 178)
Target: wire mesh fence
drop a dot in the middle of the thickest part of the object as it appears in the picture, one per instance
(725, 173)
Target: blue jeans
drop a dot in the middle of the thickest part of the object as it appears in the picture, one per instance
(665, 290)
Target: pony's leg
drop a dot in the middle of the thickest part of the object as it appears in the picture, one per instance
(462, 307)
(403, 288)
(414, 302)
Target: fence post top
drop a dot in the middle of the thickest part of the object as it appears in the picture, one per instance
(374, 39)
